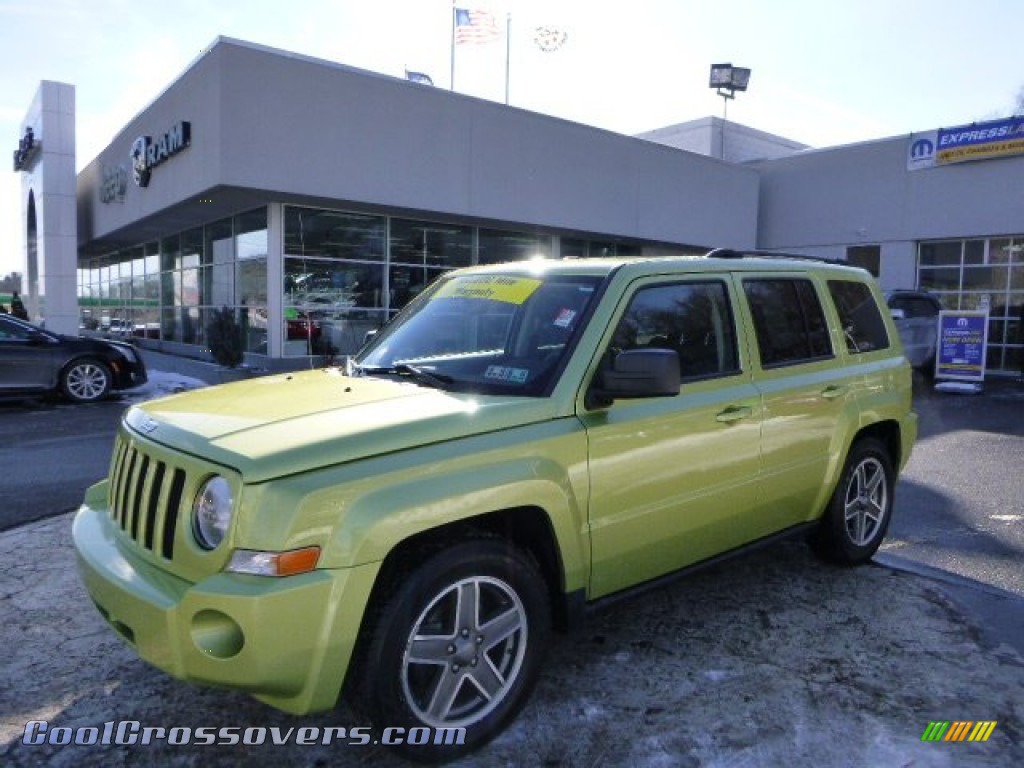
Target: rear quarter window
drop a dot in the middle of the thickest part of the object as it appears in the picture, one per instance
(861, 320)
(789, 321)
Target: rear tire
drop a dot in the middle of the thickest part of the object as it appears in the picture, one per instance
(857, 516)
(458, 644)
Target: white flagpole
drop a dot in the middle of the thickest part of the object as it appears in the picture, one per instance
(451, 81)
(508, 45)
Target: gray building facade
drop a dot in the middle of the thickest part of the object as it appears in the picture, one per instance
(956, 230)
(315, 200)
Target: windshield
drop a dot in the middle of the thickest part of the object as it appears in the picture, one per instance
(484, 333)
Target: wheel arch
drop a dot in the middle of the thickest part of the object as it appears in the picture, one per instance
(888, 434)
(528, 528)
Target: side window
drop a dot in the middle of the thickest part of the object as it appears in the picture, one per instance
(12, 331)
(693, 319)
(789, 321)
(862, 323)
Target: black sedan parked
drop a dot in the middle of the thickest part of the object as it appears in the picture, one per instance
(35, 361)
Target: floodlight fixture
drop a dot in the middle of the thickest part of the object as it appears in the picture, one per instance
(727, 79)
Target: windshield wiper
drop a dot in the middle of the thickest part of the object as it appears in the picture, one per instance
(419, 375)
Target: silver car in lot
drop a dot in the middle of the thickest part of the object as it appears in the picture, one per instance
(916, 314)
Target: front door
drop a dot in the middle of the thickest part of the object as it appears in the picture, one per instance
(25, 363)
(673, 479)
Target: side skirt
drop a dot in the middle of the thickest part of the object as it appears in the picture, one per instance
(577, 607)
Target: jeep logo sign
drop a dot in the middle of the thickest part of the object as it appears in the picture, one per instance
(147, 153)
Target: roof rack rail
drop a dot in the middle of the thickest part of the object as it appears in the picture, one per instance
(730, 253)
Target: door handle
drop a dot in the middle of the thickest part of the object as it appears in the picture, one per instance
(833, 391)
(734, 413)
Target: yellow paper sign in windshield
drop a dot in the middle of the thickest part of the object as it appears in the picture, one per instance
(511, 290)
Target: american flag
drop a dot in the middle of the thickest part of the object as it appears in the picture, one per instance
(474, 27)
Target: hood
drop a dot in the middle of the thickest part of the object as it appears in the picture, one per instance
(289, 423)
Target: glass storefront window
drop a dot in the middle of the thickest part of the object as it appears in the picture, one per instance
(332, 286)
(170, 250)
(947, 279)
(219, 282)
(613, 249)
(406, 283)
(345, 273)
(985, 278)
(191, 248)
(251, 243)
(496, 246)
(251, 235)
(430, 244)
(252, 281)
(311, 232)
(166, 288)
(940, 254)
(1000, 251)
(981, 274)
(572, 248)
(974, 252)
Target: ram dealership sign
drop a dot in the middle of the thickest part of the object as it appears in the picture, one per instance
(147, 153)
(977, 141)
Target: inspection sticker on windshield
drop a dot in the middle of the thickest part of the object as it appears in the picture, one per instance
(565, 318)
(503, 373)
(511, 290)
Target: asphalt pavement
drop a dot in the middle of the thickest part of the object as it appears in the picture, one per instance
(770, 659)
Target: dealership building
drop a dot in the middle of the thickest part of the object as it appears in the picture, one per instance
(315, 200)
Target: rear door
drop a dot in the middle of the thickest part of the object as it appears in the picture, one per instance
(805, 392)
(673, 479)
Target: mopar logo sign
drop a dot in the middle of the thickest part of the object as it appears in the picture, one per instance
(921, 150)
(147, 152)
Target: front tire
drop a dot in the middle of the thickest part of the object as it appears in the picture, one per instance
(858, 514)
(86, 381)
(459, 644)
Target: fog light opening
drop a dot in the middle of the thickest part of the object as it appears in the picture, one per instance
(216, 634)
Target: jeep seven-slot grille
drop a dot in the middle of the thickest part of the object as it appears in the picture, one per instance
(145, 498)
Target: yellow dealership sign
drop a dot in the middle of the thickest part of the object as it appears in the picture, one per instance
(511, 290)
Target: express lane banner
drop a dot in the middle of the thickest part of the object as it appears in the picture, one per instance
(965, 143)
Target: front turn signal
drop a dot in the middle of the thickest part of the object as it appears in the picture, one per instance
(289, 563)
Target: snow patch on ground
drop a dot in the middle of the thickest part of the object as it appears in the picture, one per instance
(161, 384)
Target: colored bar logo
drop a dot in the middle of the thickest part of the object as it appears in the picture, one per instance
(959, 730)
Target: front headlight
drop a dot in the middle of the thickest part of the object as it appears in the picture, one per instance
(211, 512)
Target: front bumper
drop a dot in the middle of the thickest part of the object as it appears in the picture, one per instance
(129, 377)
(286, 641)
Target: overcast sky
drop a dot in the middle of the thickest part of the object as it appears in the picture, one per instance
(825, 72)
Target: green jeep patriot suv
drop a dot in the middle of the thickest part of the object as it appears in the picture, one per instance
(520, 441)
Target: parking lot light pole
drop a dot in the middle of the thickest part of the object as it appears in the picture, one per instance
(726, 80)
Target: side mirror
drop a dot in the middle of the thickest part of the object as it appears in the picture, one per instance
(637, 373)
(898, 314)
(38, 338)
